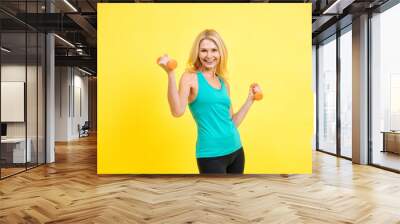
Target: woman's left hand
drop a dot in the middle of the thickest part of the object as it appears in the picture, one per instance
(254, 88)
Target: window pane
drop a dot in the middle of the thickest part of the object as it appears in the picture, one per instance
(327, 96)
(386, 88)
(346, 94)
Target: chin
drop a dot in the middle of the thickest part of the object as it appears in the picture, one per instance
(209, 67)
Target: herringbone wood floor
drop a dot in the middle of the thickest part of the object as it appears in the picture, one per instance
(69, 191)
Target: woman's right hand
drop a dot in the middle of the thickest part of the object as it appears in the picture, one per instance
(166, 63)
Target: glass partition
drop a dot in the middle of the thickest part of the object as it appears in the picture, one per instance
(14, 153)
(22, 88)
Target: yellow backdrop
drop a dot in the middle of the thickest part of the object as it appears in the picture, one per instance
(267, 43)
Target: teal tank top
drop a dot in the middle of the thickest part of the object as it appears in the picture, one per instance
(217, 135)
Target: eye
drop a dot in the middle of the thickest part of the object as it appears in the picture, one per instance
(203, 50)
(214, 50)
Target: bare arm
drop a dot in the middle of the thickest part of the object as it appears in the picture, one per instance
(178, 99)
(239, 116)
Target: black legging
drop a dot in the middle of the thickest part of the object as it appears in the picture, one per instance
(231, 163)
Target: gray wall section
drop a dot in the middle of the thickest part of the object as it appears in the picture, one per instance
(360, 90)
(314, 89)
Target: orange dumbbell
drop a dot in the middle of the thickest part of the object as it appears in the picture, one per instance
(258, 96)
(257, 93)
(171, 64)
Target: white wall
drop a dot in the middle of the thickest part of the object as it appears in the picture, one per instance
(81, 84)
(71, 93)
(62, 81)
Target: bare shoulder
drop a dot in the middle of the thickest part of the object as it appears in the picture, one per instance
(189, 76)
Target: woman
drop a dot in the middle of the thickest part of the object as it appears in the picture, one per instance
(205, 88)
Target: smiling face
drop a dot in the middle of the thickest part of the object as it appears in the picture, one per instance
(209, 54)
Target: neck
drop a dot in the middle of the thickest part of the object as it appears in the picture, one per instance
(208, 72)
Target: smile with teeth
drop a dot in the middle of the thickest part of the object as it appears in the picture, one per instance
(209, 61)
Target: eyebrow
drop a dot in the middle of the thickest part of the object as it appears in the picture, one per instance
(202, 48)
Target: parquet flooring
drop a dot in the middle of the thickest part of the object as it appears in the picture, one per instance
(10, 171)
(70, 191)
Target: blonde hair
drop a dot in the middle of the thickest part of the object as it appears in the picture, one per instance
(194, 63)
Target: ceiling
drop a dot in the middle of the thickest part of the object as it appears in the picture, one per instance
(76, 22)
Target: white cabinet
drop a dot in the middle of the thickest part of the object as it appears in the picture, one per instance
(18, 149)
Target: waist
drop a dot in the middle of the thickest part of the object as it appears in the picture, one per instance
(212, 146)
